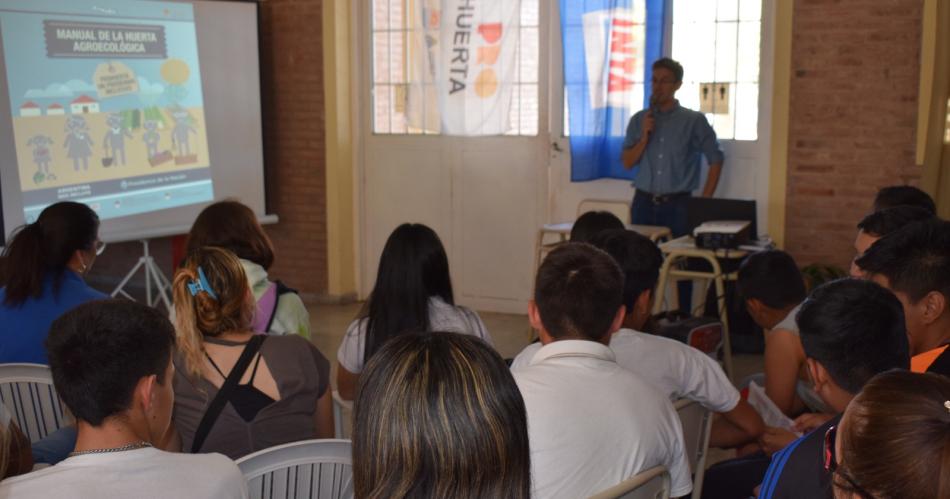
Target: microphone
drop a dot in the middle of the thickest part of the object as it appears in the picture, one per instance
(654, 104)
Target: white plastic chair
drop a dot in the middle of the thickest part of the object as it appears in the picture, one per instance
(653, 483)
(27, 391)
(697, 423)
(339, 405)
(317, 469)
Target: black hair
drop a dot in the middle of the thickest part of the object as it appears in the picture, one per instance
(638, 257)
(46, 246)
(578, 291)
(100, 350)
(855, 329)
(883, 222)
(412, 268)
(674, 67)
(590, 223)
(773, 278)
(898, 195)
(915, 259)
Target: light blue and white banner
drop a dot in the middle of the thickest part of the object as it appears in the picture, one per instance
(609, 46)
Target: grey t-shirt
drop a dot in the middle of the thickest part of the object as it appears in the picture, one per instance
(302, 374)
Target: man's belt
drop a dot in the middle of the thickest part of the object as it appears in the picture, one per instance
(662, 198)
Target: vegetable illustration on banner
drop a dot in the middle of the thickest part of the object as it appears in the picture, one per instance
(466, 51)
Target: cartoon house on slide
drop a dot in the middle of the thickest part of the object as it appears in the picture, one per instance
(84, 105)
(30, 108)
(55, 109)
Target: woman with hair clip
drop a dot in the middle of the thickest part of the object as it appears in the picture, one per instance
(893, 441)
(237, 392)
(234, 227)
(413, 292)
(438, 415)
(43, 265)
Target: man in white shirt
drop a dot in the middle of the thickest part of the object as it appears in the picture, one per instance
(591, 423)
(112, 365)
(676, 369)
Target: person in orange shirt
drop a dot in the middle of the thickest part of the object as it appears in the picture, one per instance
(914, 263)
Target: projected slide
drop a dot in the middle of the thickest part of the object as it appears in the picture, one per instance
(107, 107)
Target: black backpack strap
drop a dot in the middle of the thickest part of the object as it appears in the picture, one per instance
(224, 393)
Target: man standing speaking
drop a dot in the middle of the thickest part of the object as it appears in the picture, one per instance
(666, 141)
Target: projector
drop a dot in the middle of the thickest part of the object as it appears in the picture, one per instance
(721, 234)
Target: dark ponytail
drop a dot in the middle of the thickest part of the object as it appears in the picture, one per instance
(46, 246)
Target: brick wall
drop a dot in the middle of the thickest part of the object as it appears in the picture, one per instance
(852, 125)
(294, 140)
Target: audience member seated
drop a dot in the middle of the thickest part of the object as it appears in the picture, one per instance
(914, 263)
(591, 223)
(111, 364)
(439, 415)
(592, 423)
(893, 440)
(881, 223)
(44, 263)
(234, 227)
(903, 195)
(773, 289)
(676, 369)
(238, 392)
(413, 292)
(851, 330)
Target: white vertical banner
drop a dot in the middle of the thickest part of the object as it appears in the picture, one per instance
(466, 57)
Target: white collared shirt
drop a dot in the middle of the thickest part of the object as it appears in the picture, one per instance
(593, 424)
(675, 368)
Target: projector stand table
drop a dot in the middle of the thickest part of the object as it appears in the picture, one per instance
(683, 247)
(153, 277)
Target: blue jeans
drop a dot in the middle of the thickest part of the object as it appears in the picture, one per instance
(56, 446)
(670, 214)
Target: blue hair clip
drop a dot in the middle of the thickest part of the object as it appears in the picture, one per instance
(201, 285)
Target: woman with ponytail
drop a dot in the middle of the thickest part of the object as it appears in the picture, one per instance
(237, 392)
(43, 265)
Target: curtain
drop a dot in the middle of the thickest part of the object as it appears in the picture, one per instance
(936, 138)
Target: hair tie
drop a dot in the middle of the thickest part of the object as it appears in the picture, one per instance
(201, 285)
(947, 405)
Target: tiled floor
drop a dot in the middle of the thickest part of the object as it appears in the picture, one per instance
(509, 333)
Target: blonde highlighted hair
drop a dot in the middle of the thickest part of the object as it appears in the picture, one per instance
(438, 415)
(202, 315)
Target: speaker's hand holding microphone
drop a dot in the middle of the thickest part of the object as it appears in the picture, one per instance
(649, 119)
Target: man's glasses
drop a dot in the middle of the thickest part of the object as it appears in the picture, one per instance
(831, 464)
(99, 247)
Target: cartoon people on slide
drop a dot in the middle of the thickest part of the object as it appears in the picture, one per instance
(160, 130)
(115, 139)
(78, 143)
(42, 156)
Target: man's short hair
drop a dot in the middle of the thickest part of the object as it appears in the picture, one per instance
(100, 350)
(915, 259)
(855, 329)
(773, 278)
(590, 223)
(674, 67)
(903, 195)
(882, 222)
(638, 257)
(578, 291)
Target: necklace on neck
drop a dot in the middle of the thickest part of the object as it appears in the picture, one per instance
(132, 446)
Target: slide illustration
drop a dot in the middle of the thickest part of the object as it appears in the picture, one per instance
(103, 98)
